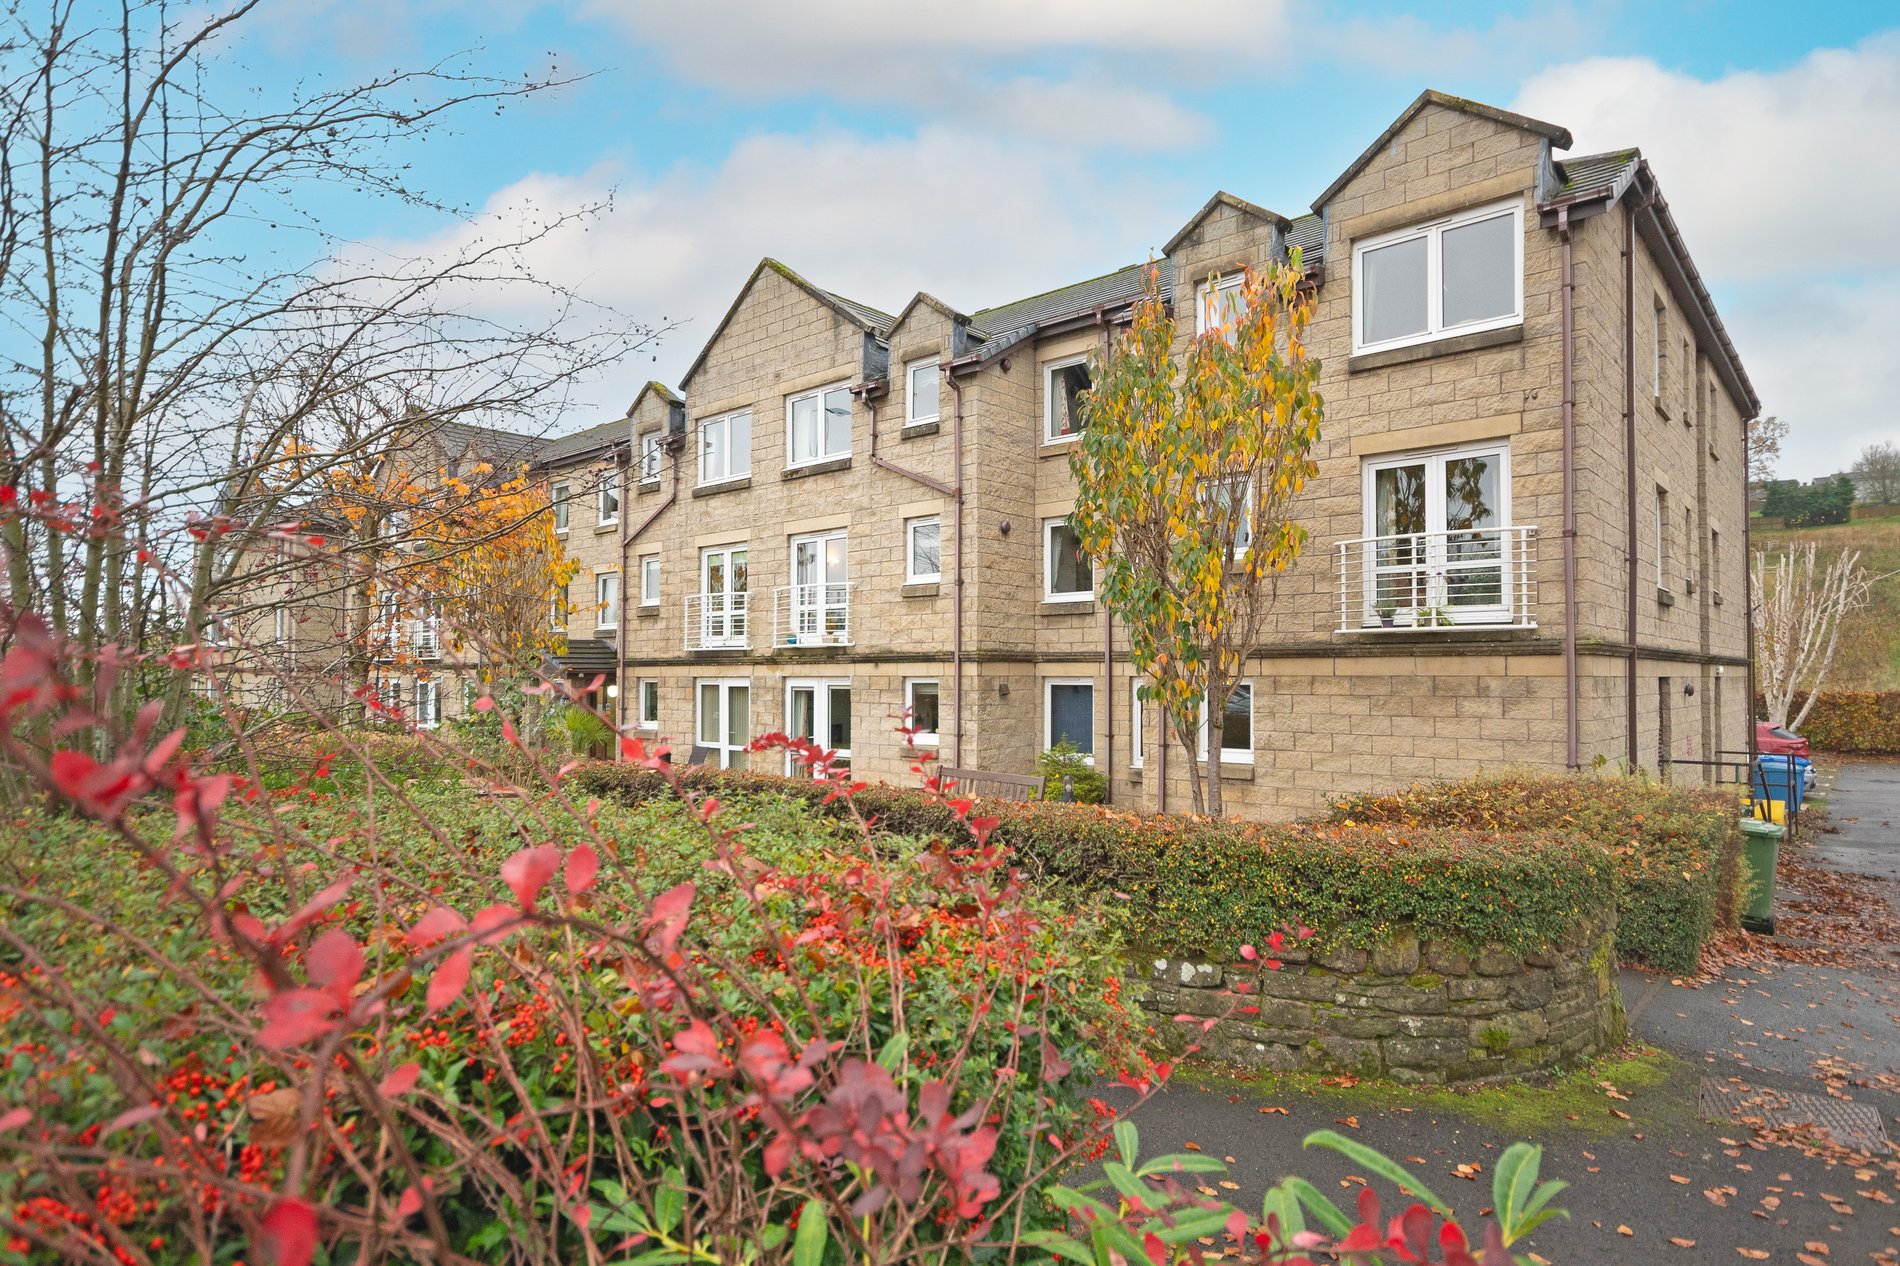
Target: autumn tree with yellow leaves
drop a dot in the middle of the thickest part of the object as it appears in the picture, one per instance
(1187, 472)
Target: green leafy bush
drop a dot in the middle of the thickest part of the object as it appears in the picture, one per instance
(1672, 847)
(1866, 722)
(1089, 784)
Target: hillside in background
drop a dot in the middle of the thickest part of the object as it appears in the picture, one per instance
(1869, 657)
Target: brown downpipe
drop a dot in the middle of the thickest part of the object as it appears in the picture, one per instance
(1629, 475)
(1748, 613)
(956, 643)
(627, 538)
(1108, 639)
(1571, 758)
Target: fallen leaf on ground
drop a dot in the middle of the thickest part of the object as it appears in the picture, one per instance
(1754, 1254)
(1623, 1230)
(1681, 1241)
(1281, 1111)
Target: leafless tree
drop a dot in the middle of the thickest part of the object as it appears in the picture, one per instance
(1800, 603)
(1764, 449)
(182, 334)
(1877, 473)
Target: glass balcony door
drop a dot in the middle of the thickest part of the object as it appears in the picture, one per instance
(722, 587)
(821, 588)
(1435, 527)
(821, 712)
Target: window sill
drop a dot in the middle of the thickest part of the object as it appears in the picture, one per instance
(609, 526)
(1437, 347)
(1664, 598)
(825, 467)
(921, 589)
(1066, 606)
(1058, 447)
(724, 485)
(647, 610)
(605, 628)
(917, 430)
(646, 487)
(560, 531)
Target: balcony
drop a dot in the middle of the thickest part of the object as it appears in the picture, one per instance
(426, 638)
(718, 621)
(1438, 582)
(811, 615)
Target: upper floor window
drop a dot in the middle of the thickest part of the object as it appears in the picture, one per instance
(1065, 383)
(650, 457)
(1067, 574)
(650, 580)
(607, 600)
(1219, 302)
(923, 551)
(1438, 529)
(920, 391)
(1458, 275)
(607, 498)
(1659, 349)
(818, 425)
(558, 494)
(725, 447)
(1662, 537)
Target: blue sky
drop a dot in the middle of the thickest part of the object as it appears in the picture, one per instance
(985, 149)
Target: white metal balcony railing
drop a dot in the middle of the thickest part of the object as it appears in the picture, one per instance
(812, 615)
(718, 621)
(426, 638)
(1438, 581)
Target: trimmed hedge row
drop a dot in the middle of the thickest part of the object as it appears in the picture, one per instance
(1674, 849)
(1862, 721)
(1214, 885)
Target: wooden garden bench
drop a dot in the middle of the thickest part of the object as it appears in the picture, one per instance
(984, 783)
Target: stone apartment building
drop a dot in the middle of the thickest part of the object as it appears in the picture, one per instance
(1532, 463)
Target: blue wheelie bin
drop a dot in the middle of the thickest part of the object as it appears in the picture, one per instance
(1778, 780)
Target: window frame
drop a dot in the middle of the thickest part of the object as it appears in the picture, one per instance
(652, 449)
(821, 689)
(1137, 733)
(608, 485)
(720, 425)
(1433, 231)
(1233, 755)
(561, 606)
(1223, 282)
(280, 623)
(1049, 593)
(793, 462)
(641, 717)
(923, 738)
(1049, 370)
(911, 369)
(911, 575)
(1049, 714)
(435, 704)
(560, 498)
(724, 687)
(649, 572)
(1662, 538)
(606, 617)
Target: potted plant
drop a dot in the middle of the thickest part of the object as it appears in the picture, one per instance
(1386, 611)
(1408, 617)
(1436, 617)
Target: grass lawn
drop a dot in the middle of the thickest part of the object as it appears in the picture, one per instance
(1869, 658)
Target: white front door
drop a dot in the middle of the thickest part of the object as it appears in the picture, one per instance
(821, 712)
(722, 581)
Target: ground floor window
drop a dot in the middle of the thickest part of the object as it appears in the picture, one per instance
(725, 722)
(1137, 731)
(1236, 740)
(647, 697)
(819, 711)
(1068, 710)
(428, 711)
(920, 701)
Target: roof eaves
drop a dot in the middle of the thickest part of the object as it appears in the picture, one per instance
(1557, 136)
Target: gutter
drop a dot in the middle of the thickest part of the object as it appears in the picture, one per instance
(1571, 755)
(1629, 478)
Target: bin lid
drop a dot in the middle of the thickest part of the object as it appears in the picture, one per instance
(1755, 826)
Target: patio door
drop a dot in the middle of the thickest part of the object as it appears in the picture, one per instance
(722, 610)
(821, 589)
(821, 712)
(725, 722)
(1435, 527)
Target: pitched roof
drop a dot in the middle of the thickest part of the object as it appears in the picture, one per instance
(501, 449)
(589, 655)
(1614, 168)
(1124, 285)
(566, 448)
(1559, 137)
(862, 315)
(659, 389)
(929, 301)
(1308, 232)
(1220, 199)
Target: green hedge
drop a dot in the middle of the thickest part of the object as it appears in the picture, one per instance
(1194, 884)
(1860, 721)
(1673, 848)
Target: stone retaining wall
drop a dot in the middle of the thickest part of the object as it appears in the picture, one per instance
(1408, 1011)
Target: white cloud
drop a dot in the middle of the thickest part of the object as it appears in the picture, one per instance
(1785, 193)
(974, 220)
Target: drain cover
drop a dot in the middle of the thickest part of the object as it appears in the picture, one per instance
(1856, 1125)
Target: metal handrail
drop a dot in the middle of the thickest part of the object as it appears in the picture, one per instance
(1483, 577)
(717, 622)
(812, 615)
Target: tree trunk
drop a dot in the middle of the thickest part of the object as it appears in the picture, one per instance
(1186, 735)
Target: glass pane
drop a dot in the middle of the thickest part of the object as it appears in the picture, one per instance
(708, 714)
(838, 421)
(739, 445)
(838, 717)
(1237, 721)
(923, 390)
(1069, 570)
(1398, 508)
(738, 723)
(1067, 386)
(836, 570)
(926, 549)
(650, 701)
(923, 706)
(804, 428)
(801, 719)
(1072, 716)
(735, 571)
(1479, 271)
(1394, 280)
(1471, 493)
(805, 563)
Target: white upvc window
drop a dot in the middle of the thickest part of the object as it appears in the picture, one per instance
(559, 604)
(819, 712)
(607, 600)
(428, 710)
(725, 447)
(1236, 740)
(921, 386)
(1232, 494)
(280, 623)
(558, 495)
(1436, 525)
(1067, 573)
(1458, 275)
(607, 497)
(818, 425)
(1219, 302)
(647, 700)
(1662, 537)
(1064, 385)
(1137, 727)
(650, 457)
(650, 580)
(1068, 713)
(923, 550)
(723, 725)
(1659, 334)
(921, 701)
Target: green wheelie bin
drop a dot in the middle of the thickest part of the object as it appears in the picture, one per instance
(1761, 848)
